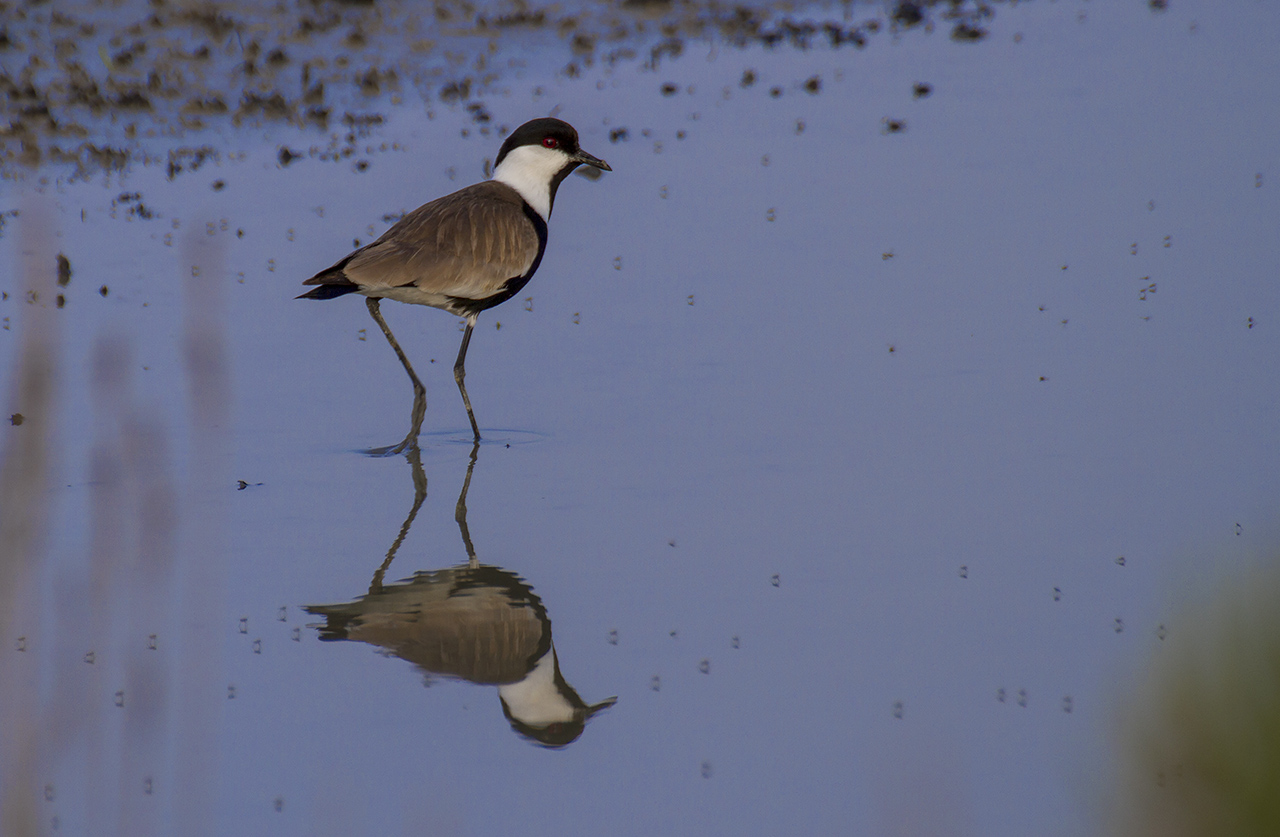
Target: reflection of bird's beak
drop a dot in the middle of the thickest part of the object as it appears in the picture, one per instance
(584, 157)
(604, 704)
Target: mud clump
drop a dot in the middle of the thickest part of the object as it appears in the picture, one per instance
(967, 32)
(907, 15)
(189, 159)
(90, 84)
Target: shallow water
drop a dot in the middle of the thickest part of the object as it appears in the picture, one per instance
(865, 467)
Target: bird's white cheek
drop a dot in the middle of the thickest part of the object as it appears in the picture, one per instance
(529, 170)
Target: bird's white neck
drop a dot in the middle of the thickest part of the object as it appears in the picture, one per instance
(529, 170)
(537, 700)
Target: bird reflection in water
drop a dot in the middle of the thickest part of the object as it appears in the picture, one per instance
(473, 622)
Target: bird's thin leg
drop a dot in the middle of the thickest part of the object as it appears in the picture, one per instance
(460, 373)
(419, 494)
(373, 303)
(419, 391)
(460, 510)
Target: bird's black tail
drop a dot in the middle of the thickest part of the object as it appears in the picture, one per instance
(339, 617)
(329, 291)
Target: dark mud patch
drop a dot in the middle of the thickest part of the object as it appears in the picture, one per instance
(86, 87)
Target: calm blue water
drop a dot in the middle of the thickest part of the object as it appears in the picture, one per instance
(818, 444)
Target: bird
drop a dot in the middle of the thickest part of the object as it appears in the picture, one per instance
(468, 251)
(478, 623)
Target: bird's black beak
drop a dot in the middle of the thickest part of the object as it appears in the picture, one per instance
(584, 157)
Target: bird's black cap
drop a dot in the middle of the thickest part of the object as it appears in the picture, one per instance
(544, 132)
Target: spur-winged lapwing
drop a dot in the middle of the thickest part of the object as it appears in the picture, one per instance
(468, 251)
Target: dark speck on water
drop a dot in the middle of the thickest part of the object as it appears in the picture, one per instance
(967, 32)
(907, 14)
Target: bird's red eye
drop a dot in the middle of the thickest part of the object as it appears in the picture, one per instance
(550, 142)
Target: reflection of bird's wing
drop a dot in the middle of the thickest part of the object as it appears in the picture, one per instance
(467, 244)
(478, 636)
(485, 626)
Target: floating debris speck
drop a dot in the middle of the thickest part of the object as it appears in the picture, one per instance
(966, 32)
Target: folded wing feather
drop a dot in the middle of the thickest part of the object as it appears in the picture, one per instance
(467, 244)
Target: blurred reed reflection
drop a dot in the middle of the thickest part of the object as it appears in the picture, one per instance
(473, 622)
(25, 465)
(106, 694)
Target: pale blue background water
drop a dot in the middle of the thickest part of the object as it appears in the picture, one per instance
(1035, 420)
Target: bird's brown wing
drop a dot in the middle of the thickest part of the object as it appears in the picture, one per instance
(467, 244)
